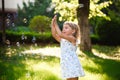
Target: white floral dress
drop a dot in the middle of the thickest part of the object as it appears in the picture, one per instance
(70, 65)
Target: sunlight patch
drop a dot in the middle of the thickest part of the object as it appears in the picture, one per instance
(44, 51)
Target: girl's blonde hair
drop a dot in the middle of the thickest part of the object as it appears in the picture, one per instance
(74, 27)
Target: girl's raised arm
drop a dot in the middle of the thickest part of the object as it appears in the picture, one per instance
(53, 30)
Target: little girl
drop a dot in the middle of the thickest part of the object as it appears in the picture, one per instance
(70, 66)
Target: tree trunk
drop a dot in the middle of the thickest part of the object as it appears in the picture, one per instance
(82, 15)
(3, 23)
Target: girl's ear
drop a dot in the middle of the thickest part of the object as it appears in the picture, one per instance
(73, 31)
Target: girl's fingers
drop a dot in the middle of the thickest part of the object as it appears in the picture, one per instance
(55, 16)
(54, 20)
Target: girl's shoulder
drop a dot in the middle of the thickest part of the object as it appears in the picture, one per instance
(64, 41)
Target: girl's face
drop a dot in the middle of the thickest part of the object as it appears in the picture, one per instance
(67, 30)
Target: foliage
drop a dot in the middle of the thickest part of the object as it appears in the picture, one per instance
(95, 39)
(14, 37)
(40, 23)
(69, 7)
(114, 11)
(108, 32)
(43, 7)
(20, 29)
(96, 21)
(96, 8)
(39, 7)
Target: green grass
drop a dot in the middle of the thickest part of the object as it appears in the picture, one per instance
(42, 63)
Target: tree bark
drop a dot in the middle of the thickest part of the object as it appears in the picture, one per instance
(3, 23)
(82, 15)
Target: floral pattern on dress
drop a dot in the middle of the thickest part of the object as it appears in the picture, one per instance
(70, 64)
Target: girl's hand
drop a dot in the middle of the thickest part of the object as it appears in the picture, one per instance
(53, 23)
(53, 29)
(55, 20)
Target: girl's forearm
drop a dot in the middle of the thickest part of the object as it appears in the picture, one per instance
(53, 29)
(54, 32)
(58, 30)
(57, 27)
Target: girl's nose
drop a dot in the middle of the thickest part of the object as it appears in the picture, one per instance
(63, 30)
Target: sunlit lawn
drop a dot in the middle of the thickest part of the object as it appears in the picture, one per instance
(30, 62)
